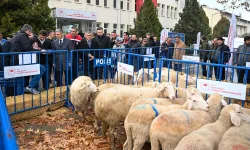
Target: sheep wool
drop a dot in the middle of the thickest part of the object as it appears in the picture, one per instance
(170, 127)
(209, 135)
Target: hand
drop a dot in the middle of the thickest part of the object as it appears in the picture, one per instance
(91, 57)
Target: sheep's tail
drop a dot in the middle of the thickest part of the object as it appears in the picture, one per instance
(154, 143)
(129, 140)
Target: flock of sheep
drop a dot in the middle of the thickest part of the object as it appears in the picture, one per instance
(155, 113)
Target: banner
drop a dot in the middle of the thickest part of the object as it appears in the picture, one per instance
(164, 34)
(21, 71)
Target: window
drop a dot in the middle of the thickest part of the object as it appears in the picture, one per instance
(162, 10)
(158, 9)
(106, 25)
(128, 27)
(171, 12)
(128, 5)
(78, 1)
(135, 5)
(175, 12)
(98, 24)
(121, 31)
(88, 1)
(97, 2)
(105, 3)
(121, 4)
(168, 11)
(114, 3)
(115, 26)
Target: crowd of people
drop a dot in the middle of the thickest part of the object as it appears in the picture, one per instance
(25, 41)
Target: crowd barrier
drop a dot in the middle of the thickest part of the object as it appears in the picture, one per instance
(7, 138)
(20, 70)
(218, 74)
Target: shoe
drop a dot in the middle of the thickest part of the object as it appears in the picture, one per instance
(31, 90)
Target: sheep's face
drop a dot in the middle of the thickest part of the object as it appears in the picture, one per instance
(89, 87)
(236, 113)
(142, 75)
(196, 100)
(243, 113)
(189, 80)
(168, 88)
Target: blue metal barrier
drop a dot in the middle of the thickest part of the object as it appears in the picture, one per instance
(219, 68)
(104, 66)
(22, 63)
(7, 138)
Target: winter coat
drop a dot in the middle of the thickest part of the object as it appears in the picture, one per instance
(241, 59)
(179, 51)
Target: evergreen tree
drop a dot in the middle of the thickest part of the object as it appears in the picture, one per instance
(221, 28)
(147, 20)
(15, 13)
(193, 19)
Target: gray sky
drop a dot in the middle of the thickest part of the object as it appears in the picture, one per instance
(214, 4)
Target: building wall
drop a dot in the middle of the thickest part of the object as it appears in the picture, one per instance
(109, 17)
(214, 15)
(168, 13)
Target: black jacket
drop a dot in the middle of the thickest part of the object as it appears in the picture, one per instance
(21, 42)
(103, 42)
(227, 55)
(5, 49)
(47, 45)
(84, 45)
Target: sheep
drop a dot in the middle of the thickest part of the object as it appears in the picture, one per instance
(112, 105)
(185, 81)
(181, 98)
(237, 137)
(122, 78)
(209, 135)
(80, 91)
(139, 119)
(170, 127)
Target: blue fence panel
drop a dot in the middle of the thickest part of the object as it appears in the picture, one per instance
(7, 138)
(23, 63)
(219, 72)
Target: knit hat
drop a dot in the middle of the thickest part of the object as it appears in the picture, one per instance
(220, 38)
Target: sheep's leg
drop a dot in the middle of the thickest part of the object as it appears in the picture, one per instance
(139, 143)
(112, 138)
(154, 143)
(125, 145)
(104, 129)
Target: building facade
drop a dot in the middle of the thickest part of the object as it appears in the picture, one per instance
(214, 15)
(112, 15)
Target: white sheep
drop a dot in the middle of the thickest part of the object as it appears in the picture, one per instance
(80, 91)
(112, 105)
(209, 135)
(184, 81)
(122, 78)
(139, 119)
(237, 138)
(170, 127)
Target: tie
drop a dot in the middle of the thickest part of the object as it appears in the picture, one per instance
(60, 43)
(89, 43)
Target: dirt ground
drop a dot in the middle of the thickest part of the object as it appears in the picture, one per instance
(64, 130)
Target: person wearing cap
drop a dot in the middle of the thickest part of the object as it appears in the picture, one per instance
(221, 47)
(241, 59)
(179, 51)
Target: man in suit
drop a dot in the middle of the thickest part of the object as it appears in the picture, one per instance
(103, 42)
(61, 58)
(87, 56)
(44, 59)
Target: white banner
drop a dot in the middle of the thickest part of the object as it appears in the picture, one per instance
(21, 71)
(75, 14)
(191, 58)
(148, 59)
(125, 68)
(198, 40)
(226, 89)
(27, 59)
(247, 64)
(164, 34)
(231, 36)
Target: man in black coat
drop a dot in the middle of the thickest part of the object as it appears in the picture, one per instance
(45, 59)
(21, 43)
(87, 56)
(103, 42)
(221, 48)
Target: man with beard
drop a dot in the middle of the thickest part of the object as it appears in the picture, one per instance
(241, 59)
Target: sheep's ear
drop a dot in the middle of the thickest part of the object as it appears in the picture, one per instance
(235, 118)
(82, 87)
(223, 102)
(160, 88)
(190, 104)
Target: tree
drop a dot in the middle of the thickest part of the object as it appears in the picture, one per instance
(221, 28)
(234, 4)
(15, 13)
(193, 19)
(147, 20)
